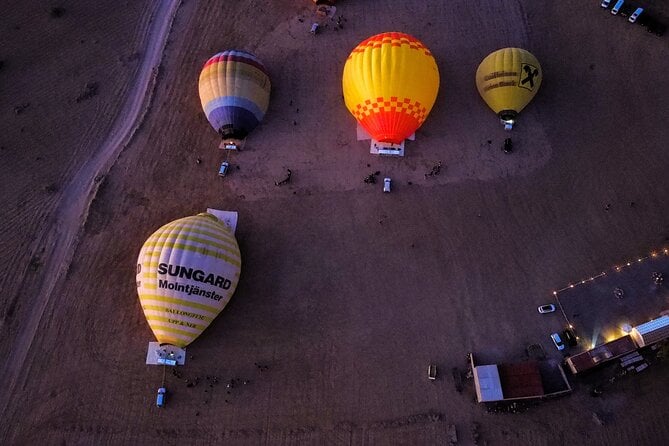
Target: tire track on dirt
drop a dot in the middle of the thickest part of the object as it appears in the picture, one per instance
(59, 242)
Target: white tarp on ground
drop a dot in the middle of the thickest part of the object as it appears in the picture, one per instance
(228, 217)
(487, 383)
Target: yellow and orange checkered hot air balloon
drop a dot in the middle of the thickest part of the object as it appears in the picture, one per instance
(390, 83)
(187, 272)
(507, 80)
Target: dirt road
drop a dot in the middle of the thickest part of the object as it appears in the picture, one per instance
(347, 294)
(60, 239)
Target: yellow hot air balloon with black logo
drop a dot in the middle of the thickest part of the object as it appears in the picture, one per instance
(507, 80)
(390, 83)
(187, 271)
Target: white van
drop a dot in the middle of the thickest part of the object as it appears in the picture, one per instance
(617, 6)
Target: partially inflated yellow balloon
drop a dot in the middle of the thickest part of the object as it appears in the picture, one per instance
(507, 80)
(187, 272)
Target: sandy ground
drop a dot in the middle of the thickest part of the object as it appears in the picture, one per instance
(347, 293)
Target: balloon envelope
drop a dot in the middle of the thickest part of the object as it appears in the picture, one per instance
(390, 83)
(508, 79)
(187, 272)
(234, 91)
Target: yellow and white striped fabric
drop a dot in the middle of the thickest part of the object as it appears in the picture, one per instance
(187, 271)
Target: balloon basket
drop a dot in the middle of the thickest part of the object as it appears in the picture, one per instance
(386, 148)
(507, 123)
(232, 144)
(165, 354)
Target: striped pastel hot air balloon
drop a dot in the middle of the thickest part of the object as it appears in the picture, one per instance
(234, 90)
(390, 83)
(187, 272)
(507, 80)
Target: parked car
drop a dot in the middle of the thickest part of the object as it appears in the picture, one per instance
(548, 308)
(617, 7)
(557, 341)
(635, 15)
(605, 3)
(223, 170)
(570, 337)
(160, 399)
(386, 184)
(508, 146)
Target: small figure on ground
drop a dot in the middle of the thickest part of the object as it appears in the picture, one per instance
(371, 178)
(658, 278)
(436, 170)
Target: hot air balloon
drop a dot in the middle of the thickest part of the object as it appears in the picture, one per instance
(187, 272)
(234, 91)
(507, 80)
(390, 83)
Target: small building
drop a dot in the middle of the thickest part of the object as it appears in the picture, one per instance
(601, 354)
(651, 332)
(518, 381)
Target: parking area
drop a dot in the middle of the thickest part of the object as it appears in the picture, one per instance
(635, 13)
(629, 294)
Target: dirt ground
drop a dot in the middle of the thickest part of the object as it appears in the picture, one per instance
(347, 294)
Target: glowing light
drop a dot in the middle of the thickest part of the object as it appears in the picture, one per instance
(617, 268)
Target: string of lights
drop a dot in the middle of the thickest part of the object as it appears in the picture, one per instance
(616, 268)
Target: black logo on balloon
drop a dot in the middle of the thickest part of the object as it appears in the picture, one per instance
(527, 74)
